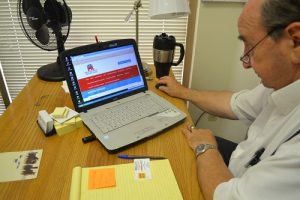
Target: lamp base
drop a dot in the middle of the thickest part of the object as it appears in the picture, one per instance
(147, 69)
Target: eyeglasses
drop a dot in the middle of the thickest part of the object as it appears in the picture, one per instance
(246, 57)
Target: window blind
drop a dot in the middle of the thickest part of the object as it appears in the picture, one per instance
(2, 107)
(104, 18)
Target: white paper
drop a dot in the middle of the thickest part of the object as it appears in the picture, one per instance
(21, 165)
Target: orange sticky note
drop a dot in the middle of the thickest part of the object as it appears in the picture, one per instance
(101, 178)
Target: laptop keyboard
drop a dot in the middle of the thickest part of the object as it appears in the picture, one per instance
(126, 113)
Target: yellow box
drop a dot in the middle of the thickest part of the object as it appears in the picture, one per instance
(79, 122)
(60, 112)
(68, 126)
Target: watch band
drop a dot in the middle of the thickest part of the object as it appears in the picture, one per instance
(201, 148)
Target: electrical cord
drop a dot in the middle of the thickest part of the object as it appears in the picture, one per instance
(200, 116)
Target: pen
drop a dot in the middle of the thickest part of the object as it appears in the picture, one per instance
(124, 156)
(96, 38)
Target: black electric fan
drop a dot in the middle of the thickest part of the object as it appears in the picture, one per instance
(46, 23)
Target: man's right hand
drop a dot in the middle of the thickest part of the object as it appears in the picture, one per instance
(172, 87)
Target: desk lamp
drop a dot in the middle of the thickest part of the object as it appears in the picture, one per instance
(159, 9)
(164, 45)
(137, 4)
(168, 9)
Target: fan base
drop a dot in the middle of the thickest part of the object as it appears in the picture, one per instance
(51, 72)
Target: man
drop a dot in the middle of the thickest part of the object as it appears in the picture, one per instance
(267, 164)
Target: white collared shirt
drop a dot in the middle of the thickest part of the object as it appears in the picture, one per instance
(273, 117)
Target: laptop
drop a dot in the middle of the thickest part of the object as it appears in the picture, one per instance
(108, 88)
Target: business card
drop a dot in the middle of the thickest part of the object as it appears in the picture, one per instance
(142, 170)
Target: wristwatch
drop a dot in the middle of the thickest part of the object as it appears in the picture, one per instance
(201, 148)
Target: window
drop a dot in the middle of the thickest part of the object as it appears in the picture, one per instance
(2, 106)
(105, 18)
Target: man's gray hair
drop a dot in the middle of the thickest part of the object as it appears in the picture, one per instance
(277, 14)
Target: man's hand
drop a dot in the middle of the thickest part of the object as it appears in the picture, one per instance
(172, 87)
(198, 136)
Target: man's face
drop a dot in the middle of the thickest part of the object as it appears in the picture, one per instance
(268, 59)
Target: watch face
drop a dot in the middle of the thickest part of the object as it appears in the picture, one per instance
(200, 149)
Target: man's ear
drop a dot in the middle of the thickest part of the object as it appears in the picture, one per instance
(293, 31)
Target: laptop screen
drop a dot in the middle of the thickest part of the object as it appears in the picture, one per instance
(103, 75)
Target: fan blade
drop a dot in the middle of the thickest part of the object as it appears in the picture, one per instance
(42, 35)
(52, 9)
(35, 17)
(26, 4)
(58, 12)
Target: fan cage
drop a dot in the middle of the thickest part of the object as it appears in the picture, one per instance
(30, 33)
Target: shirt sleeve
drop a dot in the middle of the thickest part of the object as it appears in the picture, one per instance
(275, 177)
(247, 104)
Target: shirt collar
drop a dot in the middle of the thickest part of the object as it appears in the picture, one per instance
(287, 98)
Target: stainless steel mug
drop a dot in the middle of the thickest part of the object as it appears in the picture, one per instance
(163, 54)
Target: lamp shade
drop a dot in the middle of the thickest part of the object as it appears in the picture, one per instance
(167, 9)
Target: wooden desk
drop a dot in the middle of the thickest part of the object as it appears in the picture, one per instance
(19, 132)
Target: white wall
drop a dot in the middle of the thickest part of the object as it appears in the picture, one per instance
(216, 64)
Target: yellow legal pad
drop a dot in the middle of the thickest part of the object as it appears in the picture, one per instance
(162, 186)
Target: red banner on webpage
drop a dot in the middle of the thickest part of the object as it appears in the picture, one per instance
(108, 78)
